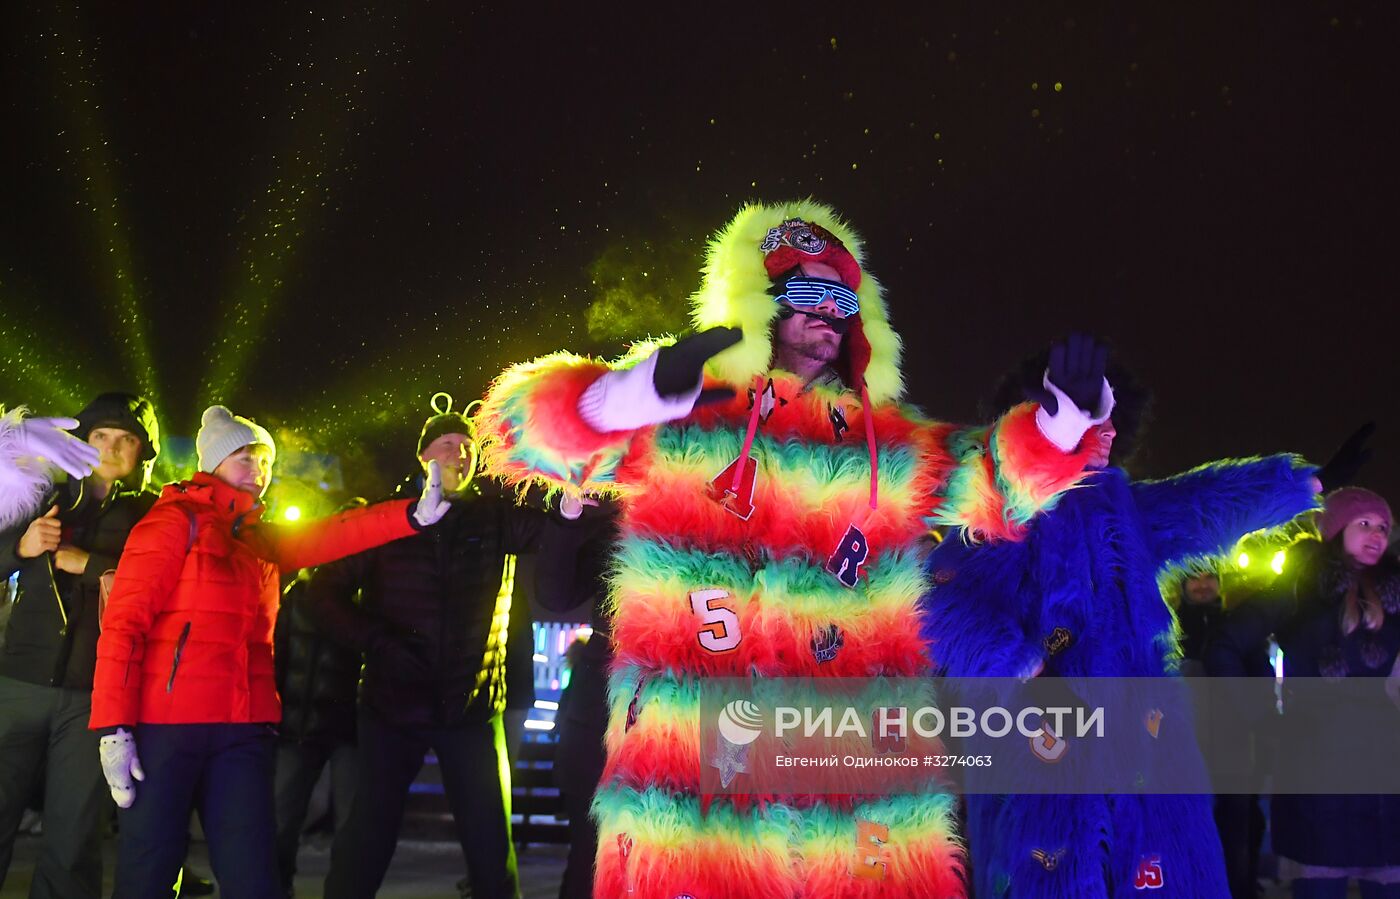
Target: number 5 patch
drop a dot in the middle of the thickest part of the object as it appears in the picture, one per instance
(1149, 873)
(719, 620)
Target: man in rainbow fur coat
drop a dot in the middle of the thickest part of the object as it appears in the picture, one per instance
(799, 498)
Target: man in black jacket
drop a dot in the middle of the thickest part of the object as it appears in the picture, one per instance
(432, 623)
(50, 645)
(316, 680)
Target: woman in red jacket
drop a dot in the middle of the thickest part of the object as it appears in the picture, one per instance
(184, 686)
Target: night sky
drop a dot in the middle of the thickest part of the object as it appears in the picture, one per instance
(320, 218)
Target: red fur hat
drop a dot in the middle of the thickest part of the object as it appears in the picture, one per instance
(795, 242)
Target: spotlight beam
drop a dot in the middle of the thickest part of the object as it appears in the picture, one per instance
(45, 381)
(73, 62)
(322, 117)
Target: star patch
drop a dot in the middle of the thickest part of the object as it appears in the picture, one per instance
(732, 759)
(1048, 860)
(767, 402)
(827, 642)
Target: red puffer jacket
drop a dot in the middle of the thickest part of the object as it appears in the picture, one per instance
(187, 635)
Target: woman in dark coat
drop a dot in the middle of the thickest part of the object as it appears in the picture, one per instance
(1335, 614)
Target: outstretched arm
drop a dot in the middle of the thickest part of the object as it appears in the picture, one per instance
(566, 422)
(1003, 476)
(1206, 510)
(305, 546)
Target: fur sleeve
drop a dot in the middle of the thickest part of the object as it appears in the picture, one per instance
(973, 615)
(1004, 476)
(531, 431)
(22, 482)
(1203, 512)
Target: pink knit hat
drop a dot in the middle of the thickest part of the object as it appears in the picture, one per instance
(1342, 507)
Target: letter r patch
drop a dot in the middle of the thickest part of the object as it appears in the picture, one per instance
(850, 554)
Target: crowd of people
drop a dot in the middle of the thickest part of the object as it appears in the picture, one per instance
(767, 501)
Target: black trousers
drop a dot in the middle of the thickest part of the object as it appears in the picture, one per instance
(298, 768)
(1241, 824)
(47, 726)
(578, 766)
(390, 758)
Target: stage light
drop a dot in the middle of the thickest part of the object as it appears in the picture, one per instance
(1242, 560)
(292, 513)
(1276, 563)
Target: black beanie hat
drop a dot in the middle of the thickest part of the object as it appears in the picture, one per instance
(126, 411)
(445, 422)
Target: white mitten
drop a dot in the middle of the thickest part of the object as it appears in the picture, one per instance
(431, 505)
(120, 766)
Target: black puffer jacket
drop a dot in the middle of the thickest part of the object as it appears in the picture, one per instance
(39, 646)
(316, 676)
(443, 594)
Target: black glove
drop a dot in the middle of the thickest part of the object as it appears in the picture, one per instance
(1341, 469)
(396, 659)
(1077, 366)
(680, 365)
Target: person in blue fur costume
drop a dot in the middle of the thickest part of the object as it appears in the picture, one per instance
(1080, 598)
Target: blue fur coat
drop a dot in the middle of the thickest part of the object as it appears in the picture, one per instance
(1081, 595)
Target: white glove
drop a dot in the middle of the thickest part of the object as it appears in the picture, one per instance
(47, 439)
(1069, 423)
(625, 399)
(571, 507)
(120, 766)
(431, 505)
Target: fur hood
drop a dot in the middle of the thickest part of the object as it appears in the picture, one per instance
(734, 293)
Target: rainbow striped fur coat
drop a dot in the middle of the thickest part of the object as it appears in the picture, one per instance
(771, 605)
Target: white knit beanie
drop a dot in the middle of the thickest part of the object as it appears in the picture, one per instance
(221, 434)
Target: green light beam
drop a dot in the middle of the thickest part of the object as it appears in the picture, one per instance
(322, 116)
(54, 383)
(73, 59)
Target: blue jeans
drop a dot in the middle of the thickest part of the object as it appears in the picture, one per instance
(224, 771)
